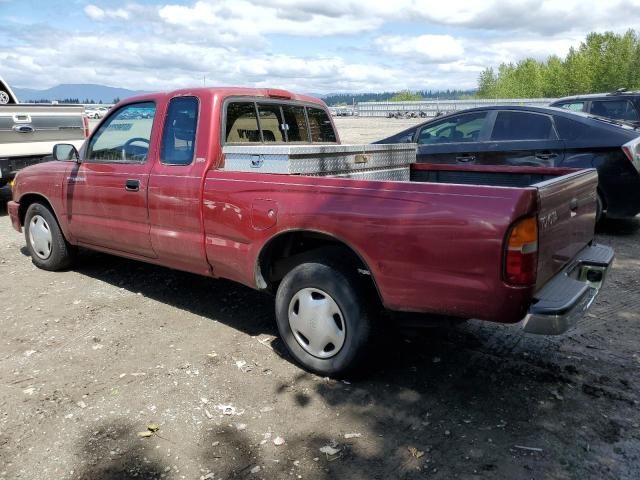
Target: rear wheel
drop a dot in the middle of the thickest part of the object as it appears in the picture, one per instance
(46, 244)
(323, 317)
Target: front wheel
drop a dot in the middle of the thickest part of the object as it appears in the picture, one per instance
(322, 315)
(47, 246)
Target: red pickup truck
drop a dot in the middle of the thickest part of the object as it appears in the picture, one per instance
(245, 184)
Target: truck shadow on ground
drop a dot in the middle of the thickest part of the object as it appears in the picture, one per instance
(440, 408)
(445, 403)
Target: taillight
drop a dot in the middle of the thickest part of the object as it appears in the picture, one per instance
(632, 151)
(85, 125)
(521, 256)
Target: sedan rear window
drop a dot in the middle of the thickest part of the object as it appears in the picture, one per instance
(521, 126)
(616, 109)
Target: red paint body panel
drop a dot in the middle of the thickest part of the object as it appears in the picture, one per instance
(423, 243)
(430, 247)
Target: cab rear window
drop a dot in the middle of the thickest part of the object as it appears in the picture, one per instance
(276, 122)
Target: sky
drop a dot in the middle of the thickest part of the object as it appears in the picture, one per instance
(318, 46)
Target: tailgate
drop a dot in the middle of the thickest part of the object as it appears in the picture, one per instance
(40, 123)
(566, 220)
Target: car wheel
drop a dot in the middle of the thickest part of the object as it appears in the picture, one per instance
(322, 312)
(46, 244)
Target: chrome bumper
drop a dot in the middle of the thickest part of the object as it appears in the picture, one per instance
(559, 305)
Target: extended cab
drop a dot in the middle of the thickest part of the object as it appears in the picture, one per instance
(252, 185)
(28, 131)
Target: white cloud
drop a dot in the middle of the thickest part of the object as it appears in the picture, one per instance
(239, 17)
(97, 13)
(382, 45)
(425, 48)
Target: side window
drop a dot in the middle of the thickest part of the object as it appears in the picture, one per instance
(271, 123)
(573, 106)
(320, 126)
(125, 136)
(569, 129)
(295, 123)
(521, 126)
(460, 128)
(179, 134)
(616, 109)
(242, 123)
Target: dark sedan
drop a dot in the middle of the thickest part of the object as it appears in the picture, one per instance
(537, 136)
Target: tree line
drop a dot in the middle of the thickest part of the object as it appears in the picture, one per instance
(604, 62)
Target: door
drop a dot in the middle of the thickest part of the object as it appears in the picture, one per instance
(175, 186)
(106, 194)
(521, 138)
(456, 139)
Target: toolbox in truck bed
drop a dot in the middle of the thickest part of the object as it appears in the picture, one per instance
(321, 159)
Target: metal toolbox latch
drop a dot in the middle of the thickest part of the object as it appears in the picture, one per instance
(257, 161)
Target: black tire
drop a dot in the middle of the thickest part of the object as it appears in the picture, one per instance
(345, 287)
(61, 253)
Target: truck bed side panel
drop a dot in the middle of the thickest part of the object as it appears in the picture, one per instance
(430, 248)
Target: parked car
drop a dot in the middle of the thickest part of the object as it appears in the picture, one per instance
(257, 189)
(537, 136)
(619, 105)
(96, 112)
(93, 113)
(28, 132)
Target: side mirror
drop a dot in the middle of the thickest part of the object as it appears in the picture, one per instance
(406, 139)
(65, 152)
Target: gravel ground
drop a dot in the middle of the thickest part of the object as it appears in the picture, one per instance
(93, 357)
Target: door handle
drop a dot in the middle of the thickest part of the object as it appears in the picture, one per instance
(466, 158)
(132, 185)
(23, 129)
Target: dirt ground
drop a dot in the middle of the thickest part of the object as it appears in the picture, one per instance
(93, 357)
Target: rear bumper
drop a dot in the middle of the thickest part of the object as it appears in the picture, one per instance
(559, 305)
(13, 207)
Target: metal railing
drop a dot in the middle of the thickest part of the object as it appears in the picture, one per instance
(432, 108)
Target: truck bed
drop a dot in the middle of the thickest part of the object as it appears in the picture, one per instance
(423, 241)
(490, 175)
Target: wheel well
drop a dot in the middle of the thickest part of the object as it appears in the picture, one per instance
(29, 199)
(288, 250)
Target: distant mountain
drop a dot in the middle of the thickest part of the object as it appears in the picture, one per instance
(80, 91)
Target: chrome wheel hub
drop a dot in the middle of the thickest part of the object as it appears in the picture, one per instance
(317, 322)
(40, 237)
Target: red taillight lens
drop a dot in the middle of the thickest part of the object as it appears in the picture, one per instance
(521, 257)
(85, 125)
